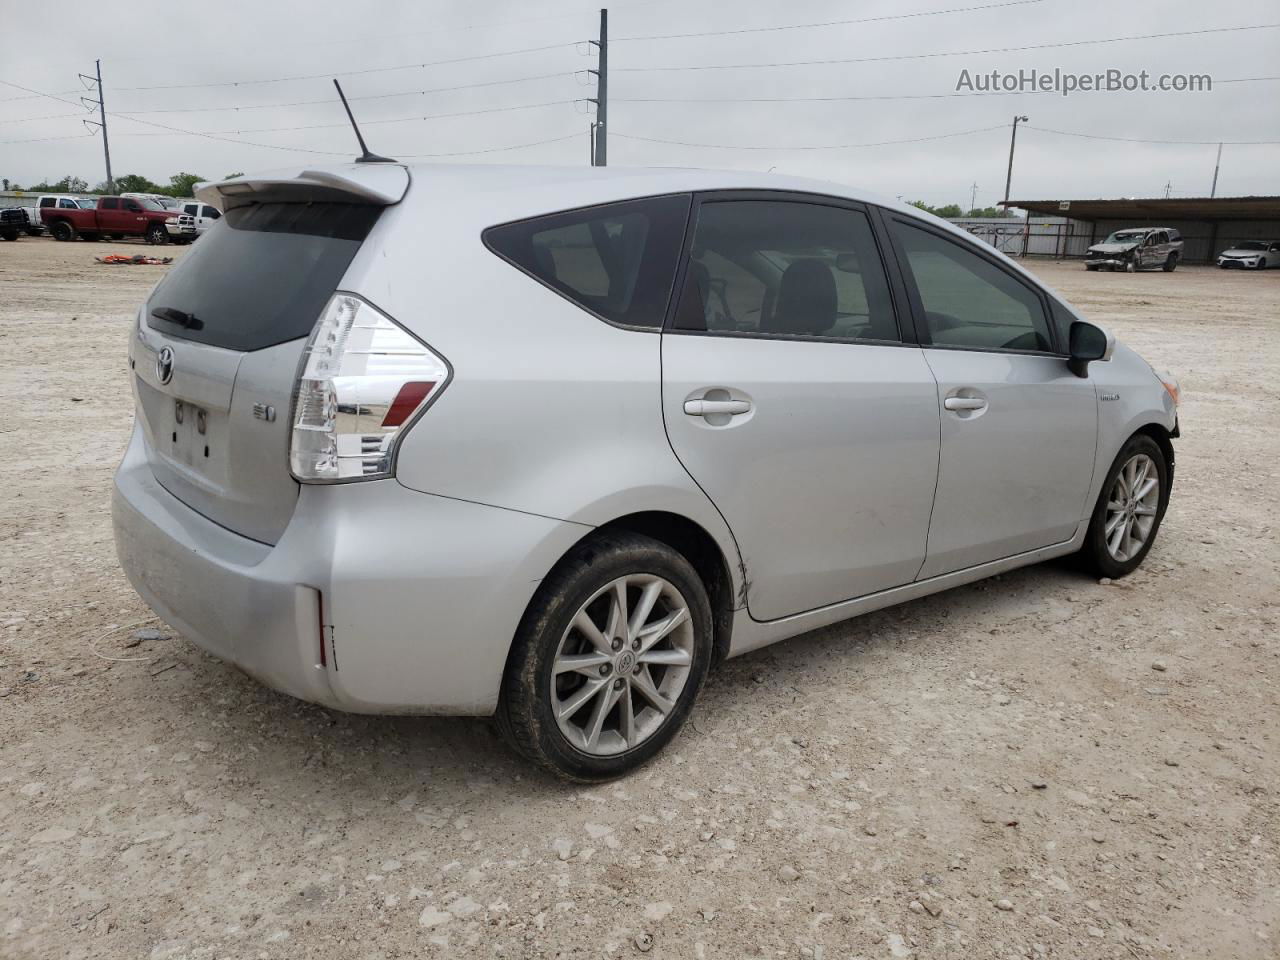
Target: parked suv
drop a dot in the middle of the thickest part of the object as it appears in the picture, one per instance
(1138, 248)
(546, 443)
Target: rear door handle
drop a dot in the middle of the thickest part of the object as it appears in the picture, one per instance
(964, 403)
(703, 408)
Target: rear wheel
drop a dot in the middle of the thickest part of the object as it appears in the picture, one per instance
(608, 658)
(1130, 508)
(1171, 263)
(156, 235)
(62, 230)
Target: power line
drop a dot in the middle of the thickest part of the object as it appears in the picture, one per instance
(470, 153)
(375, 96)
(1201, 143)
(829, 146)
(192, 133)
(947, 53)
(830, 23)
(351, 73)
(370, 123)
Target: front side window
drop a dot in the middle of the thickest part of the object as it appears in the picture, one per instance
(967, 300)
(785, 269)
(67, 204)
(211, 213)
(617, 261)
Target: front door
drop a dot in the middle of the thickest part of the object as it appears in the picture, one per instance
(793, 401)
(1019, 430)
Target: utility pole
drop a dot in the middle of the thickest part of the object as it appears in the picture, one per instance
(1008, 180)
(100, 103)
(973, 197)
(591, 141)
(1213, 191)
(1167, 187)
(600, 155)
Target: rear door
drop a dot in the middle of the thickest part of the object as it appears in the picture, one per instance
(1019, 430)
(111, 217)
(793, 400)
(217, 353)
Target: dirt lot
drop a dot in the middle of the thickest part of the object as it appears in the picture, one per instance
(1036, 765)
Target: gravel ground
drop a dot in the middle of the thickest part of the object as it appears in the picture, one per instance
(1035, 765)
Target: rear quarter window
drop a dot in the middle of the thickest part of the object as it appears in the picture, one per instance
(616, 260)
(263, 273)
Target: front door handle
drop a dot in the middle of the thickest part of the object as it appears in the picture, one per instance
(964, 403)
(705, 408)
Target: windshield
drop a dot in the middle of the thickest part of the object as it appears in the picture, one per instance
(1126, 236)
(148, 204)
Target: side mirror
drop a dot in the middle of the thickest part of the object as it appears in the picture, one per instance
(1087, 343)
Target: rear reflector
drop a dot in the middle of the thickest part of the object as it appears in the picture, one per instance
(364, 379)
(407, 400)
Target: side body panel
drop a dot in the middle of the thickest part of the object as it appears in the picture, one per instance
(827, 482)
(1014, 475)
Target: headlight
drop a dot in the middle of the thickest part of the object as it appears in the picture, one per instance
(171, 220)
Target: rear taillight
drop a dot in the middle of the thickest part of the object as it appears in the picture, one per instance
(363, 381)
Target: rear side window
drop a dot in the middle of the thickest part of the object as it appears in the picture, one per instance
(110, 203)
(617, 261)
(785, 269)
(263, 273)
(47, 202)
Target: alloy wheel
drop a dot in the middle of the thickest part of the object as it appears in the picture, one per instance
(622, 664)
(1132, 506)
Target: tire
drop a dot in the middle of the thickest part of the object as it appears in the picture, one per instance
(1090, 267)
(1131, 266)
(157, 235)
(63, 230)
(1262, 263)
(1098, 555)
(10, 234)
(582, 587)
(1171, 263)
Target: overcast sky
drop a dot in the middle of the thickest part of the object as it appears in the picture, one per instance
(238, 41)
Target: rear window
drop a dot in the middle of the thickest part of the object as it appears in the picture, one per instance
(263, 273)
(617, 260)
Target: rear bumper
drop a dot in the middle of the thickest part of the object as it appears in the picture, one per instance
(419, 596)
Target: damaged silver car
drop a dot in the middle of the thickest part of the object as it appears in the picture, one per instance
(1137, 248)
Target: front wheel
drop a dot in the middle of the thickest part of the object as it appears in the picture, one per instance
(608, 658)
(9, 235)
(156, 235)
(1171, 263)
(1130, 508)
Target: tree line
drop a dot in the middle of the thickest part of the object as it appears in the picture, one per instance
(953, 211)
(180, 185)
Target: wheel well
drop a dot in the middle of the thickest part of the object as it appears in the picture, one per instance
(697, 546)
(1163, 440)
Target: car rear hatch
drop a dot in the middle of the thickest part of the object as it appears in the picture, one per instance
(219, 342)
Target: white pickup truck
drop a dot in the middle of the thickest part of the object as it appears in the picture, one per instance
(193, 213)
(52, 201)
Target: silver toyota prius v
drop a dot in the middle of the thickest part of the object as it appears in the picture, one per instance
(547, 444)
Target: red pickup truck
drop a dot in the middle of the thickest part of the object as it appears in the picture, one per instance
(115, 217)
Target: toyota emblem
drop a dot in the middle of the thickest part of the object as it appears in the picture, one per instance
(164, 365)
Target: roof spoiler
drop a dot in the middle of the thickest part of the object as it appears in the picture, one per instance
(380, 185)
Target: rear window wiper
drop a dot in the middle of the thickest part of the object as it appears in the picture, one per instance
(179, 317)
